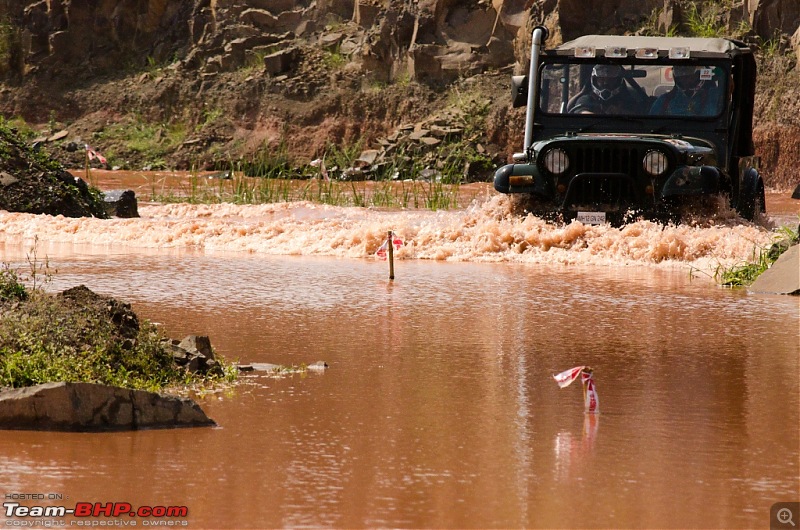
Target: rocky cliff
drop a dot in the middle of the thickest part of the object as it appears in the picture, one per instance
(216, 80)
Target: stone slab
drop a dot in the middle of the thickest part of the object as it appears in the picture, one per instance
(784, 275)
(88, 407)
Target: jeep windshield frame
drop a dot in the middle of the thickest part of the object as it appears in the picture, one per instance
(569, 89)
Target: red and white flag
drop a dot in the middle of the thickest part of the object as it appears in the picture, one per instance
(590, 399)
(384, 249)
(92, 154)
(565, 378)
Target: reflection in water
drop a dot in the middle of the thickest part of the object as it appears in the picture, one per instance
(572, 451)
(439, 407)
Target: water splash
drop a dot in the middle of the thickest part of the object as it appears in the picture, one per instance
(490, 230)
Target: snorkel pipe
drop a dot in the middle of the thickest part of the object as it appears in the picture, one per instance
(537, 39)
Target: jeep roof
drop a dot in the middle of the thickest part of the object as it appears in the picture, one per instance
(700, 47)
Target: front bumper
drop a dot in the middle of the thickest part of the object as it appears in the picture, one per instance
(610, 192)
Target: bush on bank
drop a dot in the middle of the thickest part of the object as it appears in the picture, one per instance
(48, 338)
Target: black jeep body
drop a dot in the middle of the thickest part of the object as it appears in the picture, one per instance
(648, 156)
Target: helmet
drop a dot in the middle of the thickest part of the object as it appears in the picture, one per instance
(606, 80)
(688, 79)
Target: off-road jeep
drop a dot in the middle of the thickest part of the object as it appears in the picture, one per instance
(666, 144)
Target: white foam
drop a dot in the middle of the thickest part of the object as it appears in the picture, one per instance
(487, 231)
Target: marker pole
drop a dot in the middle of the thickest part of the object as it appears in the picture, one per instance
(391, 255)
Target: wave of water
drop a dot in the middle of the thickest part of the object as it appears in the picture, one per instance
(491, 230)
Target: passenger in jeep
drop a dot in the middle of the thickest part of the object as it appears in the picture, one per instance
(695, 93)
(607, 94)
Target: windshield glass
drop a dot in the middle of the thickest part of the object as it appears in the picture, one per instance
(633, 90)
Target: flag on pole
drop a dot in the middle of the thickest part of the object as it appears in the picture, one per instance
(590, 399)
(384, 249)
(565, 378)
(92, 154)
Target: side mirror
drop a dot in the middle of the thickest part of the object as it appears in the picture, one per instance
(519, 91)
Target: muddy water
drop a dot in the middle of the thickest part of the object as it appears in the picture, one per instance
(439, 408)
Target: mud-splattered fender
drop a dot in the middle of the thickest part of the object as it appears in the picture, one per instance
(522, 178)
(692, 180)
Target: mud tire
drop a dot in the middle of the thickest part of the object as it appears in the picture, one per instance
(752, 200)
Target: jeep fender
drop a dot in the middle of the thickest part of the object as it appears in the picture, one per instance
(507, 180)
(751, 200)
(692, 180)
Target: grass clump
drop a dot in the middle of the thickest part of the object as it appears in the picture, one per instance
(77, 336)
(152, 140)
(744, 274)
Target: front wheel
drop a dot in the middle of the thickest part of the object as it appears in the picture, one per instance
(751, 202)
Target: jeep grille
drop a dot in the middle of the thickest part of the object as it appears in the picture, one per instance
(607, 160)
(605, 175)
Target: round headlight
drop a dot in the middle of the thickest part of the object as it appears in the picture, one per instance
(655, 163)
(556, 161)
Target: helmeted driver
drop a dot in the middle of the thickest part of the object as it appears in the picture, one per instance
(688, 79)
(694, 93)
(606, 81)
(608, 93)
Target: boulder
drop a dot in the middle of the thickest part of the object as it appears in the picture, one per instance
(365, 13)
(7, 179)
(121, 203)
(195, 353)
(281, 61)
(260, 18)
(88, 407)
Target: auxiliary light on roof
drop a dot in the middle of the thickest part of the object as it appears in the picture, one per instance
(679, 53)
(616, 51)
(647, 53)
(585, 51)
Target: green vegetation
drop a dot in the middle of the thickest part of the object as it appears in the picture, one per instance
(46, 338)
(240, 189)
(408, 175)
(152, 140)
(746, 273)
(708, 19)
(334, 59)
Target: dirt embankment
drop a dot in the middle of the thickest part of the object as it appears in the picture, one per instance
(201, 83)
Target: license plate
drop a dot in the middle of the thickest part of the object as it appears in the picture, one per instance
(592, 218)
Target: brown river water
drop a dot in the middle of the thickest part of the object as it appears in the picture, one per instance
(438, 409)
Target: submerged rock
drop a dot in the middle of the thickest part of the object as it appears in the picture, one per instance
(93, 407)
(121, 203)
(319, 366)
